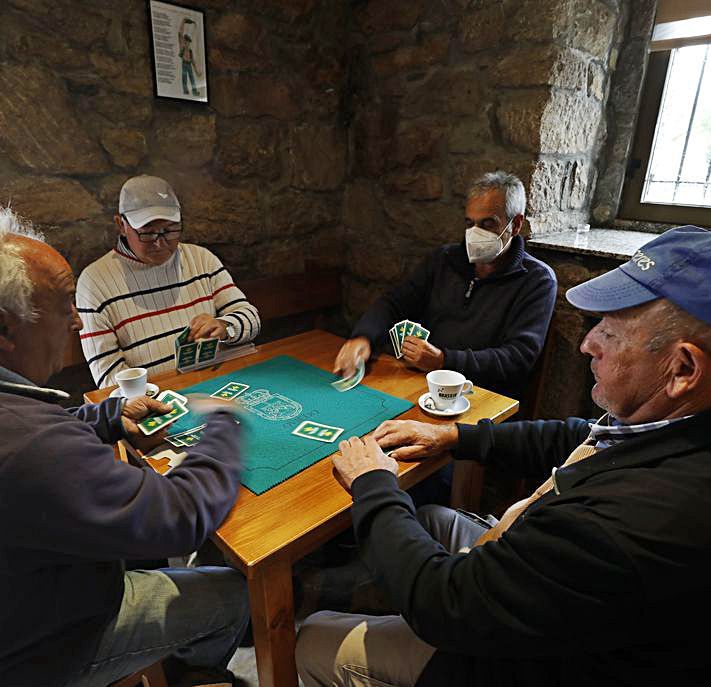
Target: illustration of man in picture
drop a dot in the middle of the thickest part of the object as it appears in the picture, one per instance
(187, 58)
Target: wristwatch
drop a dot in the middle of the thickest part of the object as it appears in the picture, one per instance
(231, 331)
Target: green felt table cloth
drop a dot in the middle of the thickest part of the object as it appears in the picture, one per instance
(282, 393)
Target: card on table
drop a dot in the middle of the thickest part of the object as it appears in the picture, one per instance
(168, 395)
(315, 430)
(177, 439)
(230, 391)
(207, 350)
(155, 423)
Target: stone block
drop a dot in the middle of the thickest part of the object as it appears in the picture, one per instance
(249, 148)
(433, 50)
(570, 124)
(51, 200)
(415, 141)
(361, 209)
(294, 213)
(253, 95)
(382, 265)
(596, 81)
(542, 65)
(482, 28)
(124, 74)
(628, 78)
(375, 16)
(372, 132)
(122, 109)
(39, 130)
(86, 24)
(472, 134)
(559, 185)
(287, 10)
(429, 224)
(359, 296)
(126, 147)
(415, 184)
(592, 28)
(82, 242)
(239, 42)
(213, 213)
(641, 20)
(520, 118)
(538, 21)
(188, 140)
(317, 155)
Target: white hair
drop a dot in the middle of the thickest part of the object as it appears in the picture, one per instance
(15, 284)
(510, 185)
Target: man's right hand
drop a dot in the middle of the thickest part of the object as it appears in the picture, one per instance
(416, 439)
(351, 352)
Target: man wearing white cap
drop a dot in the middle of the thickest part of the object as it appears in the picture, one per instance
(600, 576)
(138, 297)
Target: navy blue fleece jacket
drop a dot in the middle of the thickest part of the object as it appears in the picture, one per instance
(70, 513)
(492, 330)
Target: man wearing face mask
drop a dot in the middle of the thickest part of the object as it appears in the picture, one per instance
(486, 302)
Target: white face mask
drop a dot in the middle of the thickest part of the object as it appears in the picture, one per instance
(483, 246)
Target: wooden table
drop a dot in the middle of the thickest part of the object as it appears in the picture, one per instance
(264, 535)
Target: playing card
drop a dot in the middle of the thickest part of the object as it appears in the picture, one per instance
(400, 332)
(175, 442)
(315, 430)
(191, 438)
(168, 395)
(207, 350)
(410, 328)
(178, 439)
(420, 332)
(182, 338)
(393, 339)
(155, 423)
(230, 391)
(347, 383)
(187, 354)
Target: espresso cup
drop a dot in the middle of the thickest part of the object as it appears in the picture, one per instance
(446, 386)
(133, 381)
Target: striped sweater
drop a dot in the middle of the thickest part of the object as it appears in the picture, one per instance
(132, 312)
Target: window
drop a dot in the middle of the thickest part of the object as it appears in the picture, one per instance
(669, 174)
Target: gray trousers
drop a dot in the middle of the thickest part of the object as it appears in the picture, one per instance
(351, 650)
(195, 614)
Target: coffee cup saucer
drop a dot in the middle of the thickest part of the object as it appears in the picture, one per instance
(461, 406)
(151, 390)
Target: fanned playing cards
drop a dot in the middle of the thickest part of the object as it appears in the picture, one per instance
(404, 328)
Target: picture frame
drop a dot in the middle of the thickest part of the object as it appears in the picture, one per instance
(178, 51)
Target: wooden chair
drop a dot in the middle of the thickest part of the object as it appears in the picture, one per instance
(152, 676)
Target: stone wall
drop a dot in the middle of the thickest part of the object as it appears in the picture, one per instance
(260, 170)
(443, 91)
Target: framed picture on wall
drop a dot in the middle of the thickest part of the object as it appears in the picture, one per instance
(178, 51)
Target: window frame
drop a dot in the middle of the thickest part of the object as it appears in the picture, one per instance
(631, 207)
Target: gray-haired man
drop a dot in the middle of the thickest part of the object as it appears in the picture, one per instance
(486, 302)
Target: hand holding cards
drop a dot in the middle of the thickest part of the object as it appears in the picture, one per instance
(404, 328)
(347, 383)
(155, 423)
(189, 353)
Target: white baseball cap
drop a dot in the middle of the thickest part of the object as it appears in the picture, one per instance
(145, 198)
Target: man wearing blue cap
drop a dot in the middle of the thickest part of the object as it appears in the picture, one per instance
(599, 577)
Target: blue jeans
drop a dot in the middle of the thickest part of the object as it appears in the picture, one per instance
(195, 614)
(188, 74)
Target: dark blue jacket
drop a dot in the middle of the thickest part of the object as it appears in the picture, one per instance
(491, 330)
(70, 513)
(605, 583)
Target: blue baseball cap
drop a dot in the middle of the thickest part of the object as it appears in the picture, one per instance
(676, 265)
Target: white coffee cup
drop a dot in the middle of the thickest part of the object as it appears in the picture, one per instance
(446, 386)
(133, 381)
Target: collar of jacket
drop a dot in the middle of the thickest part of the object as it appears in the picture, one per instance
(12, 383)
(457, 255)
(675, 439)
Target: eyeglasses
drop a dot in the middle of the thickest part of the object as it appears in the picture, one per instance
(172, 234)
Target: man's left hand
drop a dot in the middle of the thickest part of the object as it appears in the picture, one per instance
(421, 354)
(136, 409)
(206, 327)
(358, 456)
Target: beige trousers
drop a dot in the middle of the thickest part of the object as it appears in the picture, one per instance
(348, 650)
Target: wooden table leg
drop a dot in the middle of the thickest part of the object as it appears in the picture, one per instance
(271, 599)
